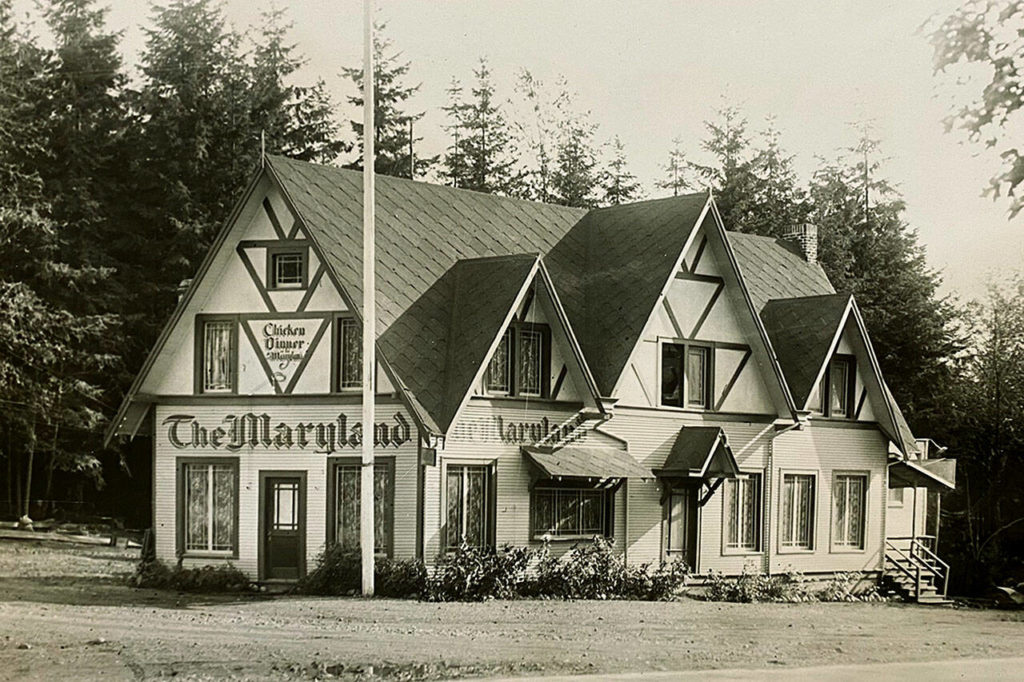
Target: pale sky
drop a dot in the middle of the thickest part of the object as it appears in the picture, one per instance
(652, 70)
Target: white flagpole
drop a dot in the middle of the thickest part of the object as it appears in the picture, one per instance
(366, 524)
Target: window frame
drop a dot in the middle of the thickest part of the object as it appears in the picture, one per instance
(709, 375)
(824, 406)
(815, 475)
(513, 334)
(336, 360)
(199, 353)
(834, 547)
(727, 550)
(180, 464)
(491, 513)
(299, 248)
(607, 510)
(335, 463)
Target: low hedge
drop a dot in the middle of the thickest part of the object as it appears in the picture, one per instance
(205, 580)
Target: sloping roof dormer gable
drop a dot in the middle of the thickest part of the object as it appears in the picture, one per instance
(806, 333)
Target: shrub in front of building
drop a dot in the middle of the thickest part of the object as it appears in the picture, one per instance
(475, 574)
(339, 572)
(788, 587)
(205, 580)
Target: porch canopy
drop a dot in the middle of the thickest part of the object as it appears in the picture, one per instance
(700, 452)
(591, 462)
(938, 475)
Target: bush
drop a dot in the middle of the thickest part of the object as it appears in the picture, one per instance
(473, 574)
(843, 587)
(595, 571)
(339, 571)
(205, 580)
(757, 587)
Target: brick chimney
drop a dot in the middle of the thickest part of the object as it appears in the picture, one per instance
(804, 236)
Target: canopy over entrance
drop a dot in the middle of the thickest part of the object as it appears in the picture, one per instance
(700, 452)
(935, 474)
(590, 462)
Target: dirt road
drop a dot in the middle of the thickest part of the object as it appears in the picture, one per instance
(78, 620)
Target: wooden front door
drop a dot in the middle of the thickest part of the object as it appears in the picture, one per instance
(284, 527)
(681, 526)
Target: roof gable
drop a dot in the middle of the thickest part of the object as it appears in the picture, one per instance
(774, 268)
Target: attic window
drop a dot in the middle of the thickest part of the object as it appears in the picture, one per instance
(286, 268)
(835, 393)
(520, 363)
(686, 376)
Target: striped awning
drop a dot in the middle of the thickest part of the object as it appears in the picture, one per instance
(586, 462)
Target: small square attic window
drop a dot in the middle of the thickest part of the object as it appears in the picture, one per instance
(287, 269)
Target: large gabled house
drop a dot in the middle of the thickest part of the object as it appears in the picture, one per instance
(544, 374)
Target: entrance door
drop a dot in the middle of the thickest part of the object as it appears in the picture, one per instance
(284, 527)
(681, 523)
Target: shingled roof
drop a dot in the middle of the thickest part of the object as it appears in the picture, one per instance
(774, 268)
(610, 269)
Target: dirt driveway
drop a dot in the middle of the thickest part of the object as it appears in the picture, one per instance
(66, 614)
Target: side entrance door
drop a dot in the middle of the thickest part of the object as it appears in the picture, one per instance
(282, 526)
(681, 514)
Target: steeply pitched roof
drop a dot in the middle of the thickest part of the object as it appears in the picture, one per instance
(610, 269)
(774, 268)
(700, 451)
(802, 331)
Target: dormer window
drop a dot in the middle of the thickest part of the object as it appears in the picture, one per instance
(835, 393)
(286, 268)
(519, 366)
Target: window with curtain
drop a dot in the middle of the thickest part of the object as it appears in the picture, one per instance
(209, 504)
(520, 363)
(686, 376)
(499, 375)
(218, 361)
(797, 514)
(468, 505)
(743, 513)
(679, 510)
(569, 512)
(849, 492)
(350, 354)
(346, 506)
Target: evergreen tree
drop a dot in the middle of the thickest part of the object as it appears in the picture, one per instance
(394, 137)
(483, 158)
(619, 185)
(537, 129)
(732, 175)
(677, 171)
(778, 202)
(575, 179)
(456, 169)
(298, 121)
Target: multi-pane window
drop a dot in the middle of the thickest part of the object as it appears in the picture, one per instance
(287, 270)
(797, 515)
(835, 393)
(686, 376)
(468, 505)
(219, 338)
(346, 506)
(209, 505)
(743, 513)
(350, 354)
(519, 365)
(569, 512)
(849, 492)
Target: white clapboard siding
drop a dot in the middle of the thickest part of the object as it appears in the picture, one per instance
(825, 450)
(252, 462)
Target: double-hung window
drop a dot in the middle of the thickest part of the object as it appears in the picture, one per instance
(520, 363)
(217, 347)
(835, 393)
(686, 379)
(349, 354)
(849, 494)
(742, 502)
(345, 522)
(564, 513)
(469, 505)
(208, 506)
(797, 513)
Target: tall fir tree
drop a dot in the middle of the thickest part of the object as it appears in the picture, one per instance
(618, 184)
(537, 128)
(575, 179)
(394, 129)
(455, 170)
(677, 172)
(777, 201)
(483, 158)
(732, 173)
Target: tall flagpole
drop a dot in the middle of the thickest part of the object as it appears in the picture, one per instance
(366, 524)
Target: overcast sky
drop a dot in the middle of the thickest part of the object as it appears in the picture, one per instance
(650, 71)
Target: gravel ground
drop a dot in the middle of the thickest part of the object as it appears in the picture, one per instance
(65, 613)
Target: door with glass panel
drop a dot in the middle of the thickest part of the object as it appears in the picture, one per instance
(681, 526)
(283, 527)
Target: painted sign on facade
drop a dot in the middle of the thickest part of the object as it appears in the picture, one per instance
(285, 345)
(259, 432)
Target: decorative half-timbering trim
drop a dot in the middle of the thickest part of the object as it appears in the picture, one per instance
(640, 381)
(707, 309)
(259, 355)
(733, 379)
(314, 344)
(311, 289)
(860, 402)
(527, 303)
(672, 318)
(557, 388)
(697, 256)
(691, 277)
(268, 208)
(260, 286)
